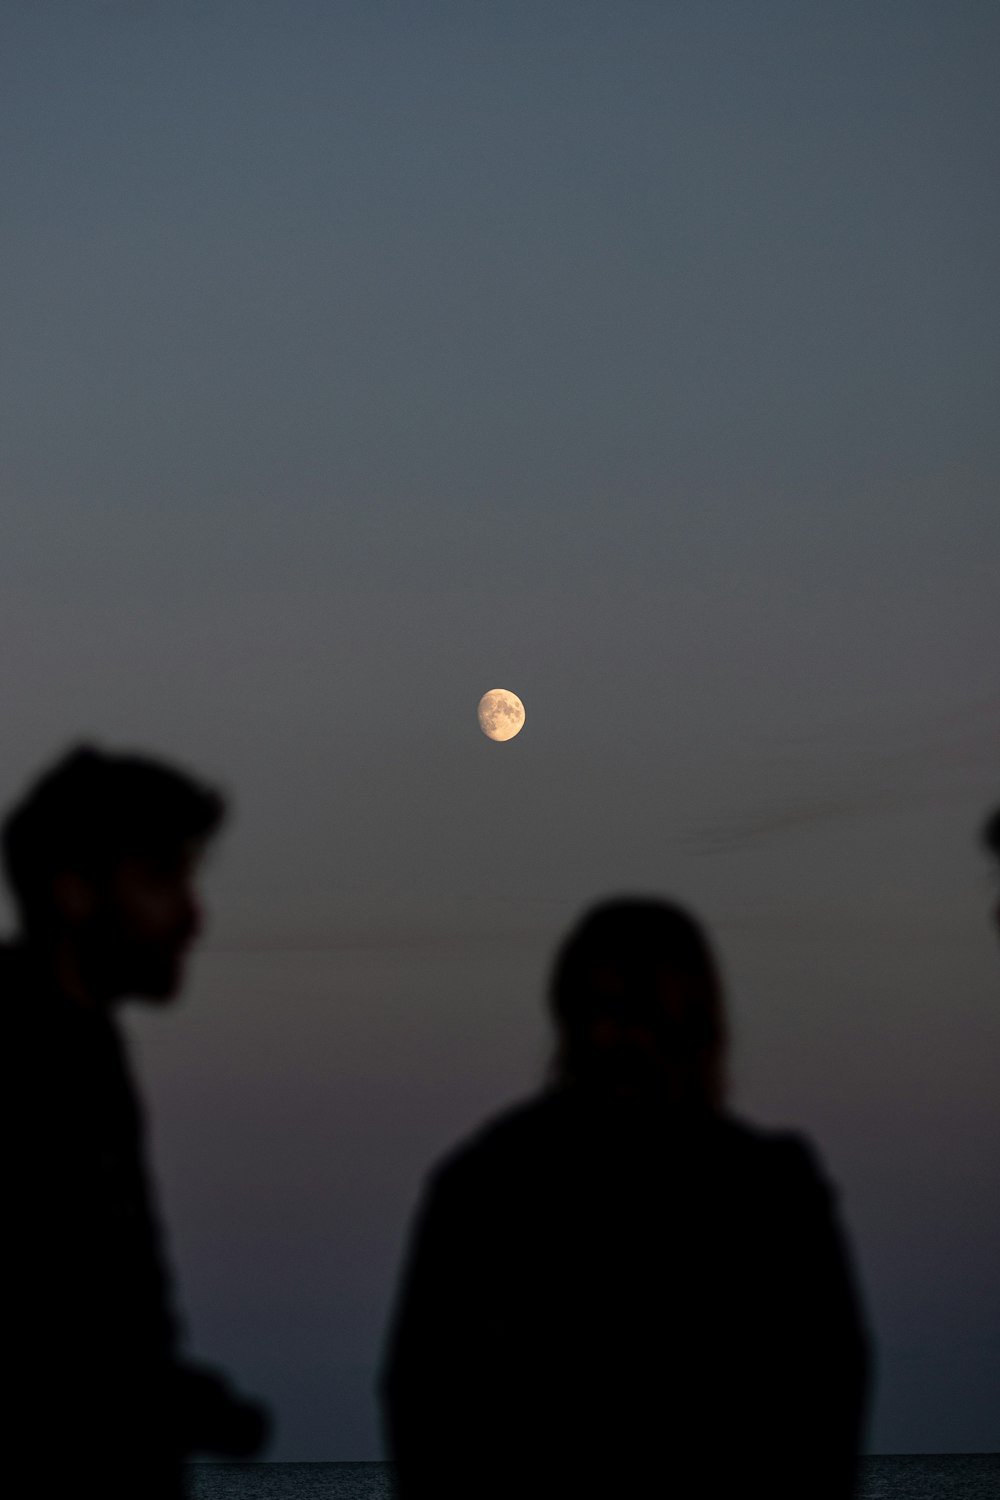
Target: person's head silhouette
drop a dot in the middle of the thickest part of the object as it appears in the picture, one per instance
(638, 1006)
(100, 857)
(991, 838)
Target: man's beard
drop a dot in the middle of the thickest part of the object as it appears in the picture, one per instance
(116, 964)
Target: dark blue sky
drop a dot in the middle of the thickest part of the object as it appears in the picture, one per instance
(641, 359)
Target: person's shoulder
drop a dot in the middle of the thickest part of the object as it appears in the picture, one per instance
(17, 993)
(25, 985)
(786, 1158)
(11, 968)
(502, 1143)
(514, 1129)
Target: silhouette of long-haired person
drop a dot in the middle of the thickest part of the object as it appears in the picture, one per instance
(101, 858)
(618, 1288)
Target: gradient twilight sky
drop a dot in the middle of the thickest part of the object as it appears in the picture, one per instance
(638, 358)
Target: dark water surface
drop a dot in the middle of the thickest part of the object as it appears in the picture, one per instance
(906, 1476)
(931, 1476)
(291, 1481)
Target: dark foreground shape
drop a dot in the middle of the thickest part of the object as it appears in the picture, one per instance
(101, 858)
(619, 1291)
(991, 838)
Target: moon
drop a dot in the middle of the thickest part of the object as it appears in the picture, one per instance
(501, 714)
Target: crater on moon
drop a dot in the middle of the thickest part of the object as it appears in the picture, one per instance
(501, 714)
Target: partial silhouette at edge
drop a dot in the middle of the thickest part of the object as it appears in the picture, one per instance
(991, 840)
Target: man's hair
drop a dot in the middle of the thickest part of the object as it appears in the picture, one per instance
(991, 832)
(93, 809)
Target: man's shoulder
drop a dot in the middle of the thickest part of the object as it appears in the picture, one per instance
(56, 1052)
(12, 969)
(26, 989)
(19, 997)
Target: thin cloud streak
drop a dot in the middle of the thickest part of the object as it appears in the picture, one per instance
(858, 783)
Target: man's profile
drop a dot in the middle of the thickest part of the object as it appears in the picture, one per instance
(100, 857)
